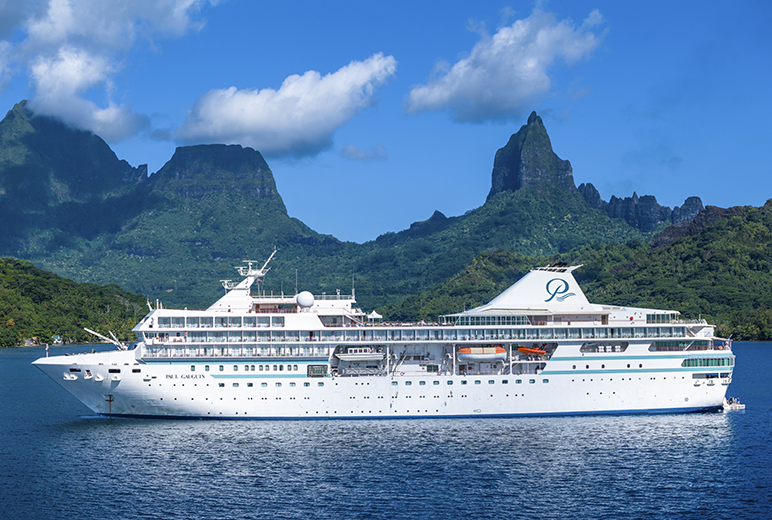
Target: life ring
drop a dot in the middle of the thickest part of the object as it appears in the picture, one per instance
(402, 373)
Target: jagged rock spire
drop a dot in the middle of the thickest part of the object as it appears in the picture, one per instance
(528, 160)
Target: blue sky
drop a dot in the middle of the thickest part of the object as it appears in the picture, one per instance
(372, 115)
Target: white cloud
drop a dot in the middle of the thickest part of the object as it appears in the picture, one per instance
(298, 119)
(507, 73)
(71, 47)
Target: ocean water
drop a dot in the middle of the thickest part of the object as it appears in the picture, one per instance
(59, 461)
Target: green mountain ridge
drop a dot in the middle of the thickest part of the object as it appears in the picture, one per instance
(721, 273)
(173, 235)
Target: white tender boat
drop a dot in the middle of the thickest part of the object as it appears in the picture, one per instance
(539, 348)
(733, 404)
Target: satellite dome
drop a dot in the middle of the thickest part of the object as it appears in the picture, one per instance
(305, 299)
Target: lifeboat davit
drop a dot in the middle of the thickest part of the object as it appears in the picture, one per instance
(484, 354)
(535, 351)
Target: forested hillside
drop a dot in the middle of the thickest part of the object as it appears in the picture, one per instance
(723, 274)
(41, 305)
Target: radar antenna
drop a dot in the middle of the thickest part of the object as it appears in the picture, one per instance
(257, 273)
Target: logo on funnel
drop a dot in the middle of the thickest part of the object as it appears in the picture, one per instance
(557, 288)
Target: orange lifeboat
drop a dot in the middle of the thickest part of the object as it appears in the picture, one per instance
(536, 351)
(482, 354)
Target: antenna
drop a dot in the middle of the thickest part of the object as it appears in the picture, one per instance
(296, 281)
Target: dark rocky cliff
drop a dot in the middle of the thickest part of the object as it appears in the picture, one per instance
(195, 171)
(528, 160)
(643, 213)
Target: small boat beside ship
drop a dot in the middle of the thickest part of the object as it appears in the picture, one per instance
(732, 404)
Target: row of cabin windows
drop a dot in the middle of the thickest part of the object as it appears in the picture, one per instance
(253, 368)
(708, 362)
(208, 322)
(264, 385)
(476, 381)
(387, 334)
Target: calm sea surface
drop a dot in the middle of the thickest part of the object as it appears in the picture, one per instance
(59, 461)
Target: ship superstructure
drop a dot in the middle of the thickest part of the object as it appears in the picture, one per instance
(539, 348)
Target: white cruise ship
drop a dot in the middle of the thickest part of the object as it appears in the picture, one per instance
(539, 348)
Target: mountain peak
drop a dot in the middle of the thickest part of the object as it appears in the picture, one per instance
(528, 160)
(195, 171)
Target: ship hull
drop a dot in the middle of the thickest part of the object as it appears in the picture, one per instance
(172, 390)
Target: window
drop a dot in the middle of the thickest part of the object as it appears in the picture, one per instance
(235, 368)
(393, 383)
(221, 385)
(263, 384)
(249, 385)
(316, 371)
(309, 384)
(278, 384)
(295, 368)
(222, 368)
(436, 383)
(114, 370)
(320, 383)
(545, 380)
(531, 381)
(235, 385)
(463, 381)
(491, 381)
(408, 383)
(292, 384)
(206, 368)
(505, 381)
(422, 383)
(518, 381)
(192, 368)
(450, 382)
(477, 381)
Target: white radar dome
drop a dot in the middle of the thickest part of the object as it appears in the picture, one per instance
(305, 299)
